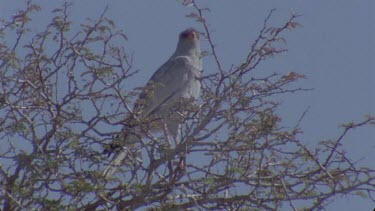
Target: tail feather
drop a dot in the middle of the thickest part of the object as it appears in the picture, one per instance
(120, 155)
(115, 163)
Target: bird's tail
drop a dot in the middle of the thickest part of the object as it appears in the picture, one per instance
(115, 163)
(120, 156)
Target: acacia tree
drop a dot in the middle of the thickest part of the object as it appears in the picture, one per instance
(63, 100)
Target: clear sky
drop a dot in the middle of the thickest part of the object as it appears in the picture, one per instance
(335, 49)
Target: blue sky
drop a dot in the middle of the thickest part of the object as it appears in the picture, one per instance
(335, 49)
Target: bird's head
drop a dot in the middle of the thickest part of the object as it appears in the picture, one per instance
(188, 42)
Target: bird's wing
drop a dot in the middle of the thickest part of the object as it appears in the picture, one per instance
(167, 84)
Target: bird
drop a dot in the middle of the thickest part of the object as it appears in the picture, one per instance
(177, 79)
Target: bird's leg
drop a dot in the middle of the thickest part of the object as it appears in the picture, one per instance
(165, 131)
(170, 165)
(175, 138)
(181, 162)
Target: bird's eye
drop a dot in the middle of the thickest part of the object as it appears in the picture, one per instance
(189, 35)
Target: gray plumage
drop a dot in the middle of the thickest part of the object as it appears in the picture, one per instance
(177, 78)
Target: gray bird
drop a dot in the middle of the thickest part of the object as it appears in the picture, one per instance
(176, 79)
